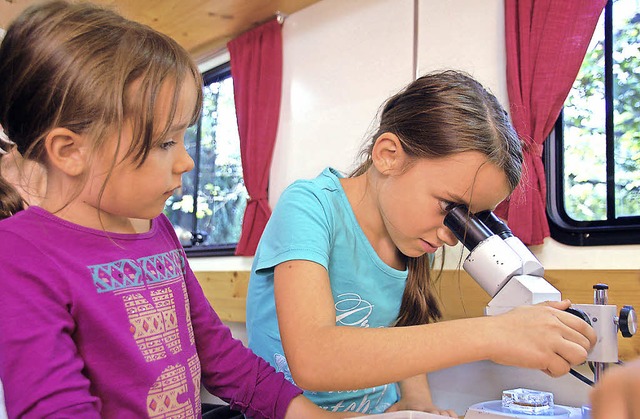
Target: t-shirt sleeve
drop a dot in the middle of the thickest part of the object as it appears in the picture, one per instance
(298, 229)
(40, 368)
(230, 370)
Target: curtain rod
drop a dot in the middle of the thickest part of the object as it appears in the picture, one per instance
(278, 15)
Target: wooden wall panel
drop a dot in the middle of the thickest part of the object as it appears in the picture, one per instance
(461, 297)
(202, 27)
(227, 292)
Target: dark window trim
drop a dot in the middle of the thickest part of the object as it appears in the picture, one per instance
(216, 74)
(215, 250)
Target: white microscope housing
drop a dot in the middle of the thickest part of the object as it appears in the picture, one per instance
(505, 268)
(499, 262)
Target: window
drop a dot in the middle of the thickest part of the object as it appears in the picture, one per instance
(207, 213)
(593, 157)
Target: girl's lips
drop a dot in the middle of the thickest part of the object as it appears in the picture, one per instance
(172, 191)
(427, 247)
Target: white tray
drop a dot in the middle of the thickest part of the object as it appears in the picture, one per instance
(403, 414)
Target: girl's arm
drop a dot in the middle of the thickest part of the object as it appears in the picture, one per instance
(325, 357)
(415, 394)
(40, 367)
(301, 407)
(230, 370)
(235, 374)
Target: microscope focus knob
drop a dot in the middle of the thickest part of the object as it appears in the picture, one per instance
(628, 321)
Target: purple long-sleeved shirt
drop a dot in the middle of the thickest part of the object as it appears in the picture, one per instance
(96, 324)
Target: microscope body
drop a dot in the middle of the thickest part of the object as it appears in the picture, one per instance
(511, 280)
(505, 268)
(603, 318)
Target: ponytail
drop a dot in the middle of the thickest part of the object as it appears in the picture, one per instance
(419, 302)
(10, 200)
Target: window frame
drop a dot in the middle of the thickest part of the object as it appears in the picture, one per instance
(612, 231)
(213, 75)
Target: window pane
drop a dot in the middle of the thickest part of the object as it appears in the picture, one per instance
(208, 211)
(626, 100)
(585, 128)
(222, 196)
(179, 207)
(584, 137)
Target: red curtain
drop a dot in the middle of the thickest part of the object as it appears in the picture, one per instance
(546, 41)
(256, 68)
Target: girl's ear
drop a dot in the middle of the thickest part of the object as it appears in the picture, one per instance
(66, 151)
(387, 155)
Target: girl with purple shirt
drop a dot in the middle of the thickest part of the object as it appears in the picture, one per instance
(100, 314)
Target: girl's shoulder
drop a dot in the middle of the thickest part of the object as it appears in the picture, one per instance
(328, 181)
(28, 232)
(22, 219)
(320, 198)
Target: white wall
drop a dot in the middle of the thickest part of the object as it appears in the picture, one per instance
(342, 59)
(466, 35)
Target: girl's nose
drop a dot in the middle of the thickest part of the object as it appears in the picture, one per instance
(446, 236)
(184, 162)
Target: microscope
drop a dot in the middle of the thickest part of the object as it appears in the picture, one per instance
(505, 268)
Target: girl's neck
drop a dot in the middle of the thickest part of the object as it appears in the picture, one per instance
(64, 200)
(362, 196)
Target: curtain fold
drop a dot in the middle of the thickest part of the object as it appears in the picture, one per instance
(546, 41)
(256, 69)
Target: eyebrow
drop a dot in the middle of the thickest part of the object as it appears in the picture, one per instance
(456, 199)
(172, 130)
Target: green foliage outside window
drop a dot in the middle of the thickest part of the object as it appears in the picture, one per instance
(210, 209)
(585, 160)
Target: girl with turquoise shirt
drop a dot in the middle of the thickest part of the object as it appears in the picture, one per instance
(341, 294)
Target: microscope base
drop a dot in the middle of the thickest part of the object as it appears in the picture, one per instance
(494, 410)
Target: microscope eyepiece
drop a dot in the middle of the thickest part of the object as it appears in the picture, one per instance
(495, 224)
(466, 227)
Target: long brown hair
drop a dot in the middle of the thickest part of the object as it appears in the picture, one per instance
(437, 115)
(72, 66)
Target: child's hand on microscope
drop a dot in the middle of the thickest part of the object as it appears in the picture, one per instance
(617, 394)
(542, 336)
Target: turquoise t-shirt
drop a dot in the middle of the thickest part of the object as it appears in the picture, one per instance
(313, 221)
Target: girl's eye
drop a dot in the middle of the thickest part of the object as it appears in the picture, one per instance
(167, 144)
(445, 205)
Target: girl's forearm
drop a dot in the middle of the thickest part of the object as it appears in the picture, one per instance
(342, 358)
(540, 337)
